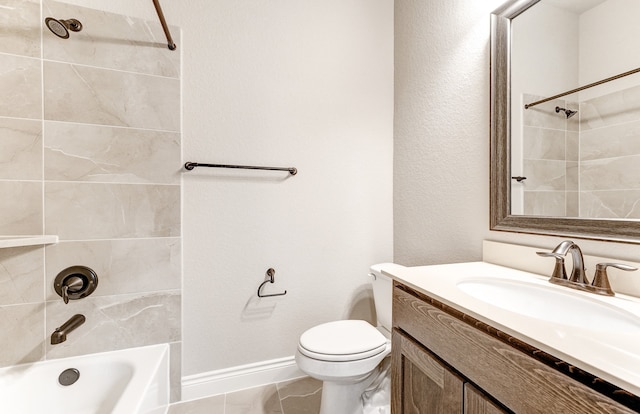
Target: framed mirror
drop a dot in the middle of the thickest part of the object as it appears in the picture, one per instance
(565, 119)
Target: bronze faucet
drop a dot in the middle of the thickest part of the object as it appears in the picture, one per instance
(578, 274)
(60, 334)
(578, 279)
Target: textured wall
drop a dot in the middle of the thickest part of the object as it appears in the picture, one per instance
(290, 83)
(90, 152)
(286, 83)
(442, 127)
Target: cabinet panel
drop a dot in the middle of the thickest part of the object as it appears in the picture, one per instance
(475, 402)
(421, 384)
(518, 381)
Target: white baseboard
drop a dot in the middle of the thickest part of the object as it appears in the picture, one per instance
(239, 378)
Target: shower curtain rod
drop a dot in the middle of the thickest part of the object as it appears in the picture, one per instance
(170, 43)
(591, 85)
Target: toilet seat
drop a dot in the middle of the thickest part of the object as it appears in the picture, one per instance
(341, 341)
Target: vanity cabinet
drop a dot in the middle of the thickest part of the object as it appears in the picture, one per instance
(444, 361)
(476, 402)
(423, 384)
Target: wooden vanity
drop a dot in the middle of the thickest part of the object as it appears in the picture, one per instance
(445, 361)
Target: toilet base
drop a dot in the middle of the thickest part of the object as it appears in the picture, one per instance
(345, 397)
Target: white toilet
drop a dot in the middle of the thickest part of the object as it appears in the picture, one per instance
(346, 354)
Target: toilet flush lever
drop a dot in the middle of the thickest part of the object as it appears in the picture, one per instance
(270, 273)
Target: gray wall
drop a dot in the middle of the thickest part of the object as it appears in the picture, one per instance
(441, 137)
(441, 126)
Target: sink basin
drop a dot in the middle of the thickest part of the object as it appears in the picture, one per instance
(597, 334)
(551, 303)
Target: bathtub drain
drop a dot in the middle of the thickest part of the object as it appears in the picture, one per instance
(69, 377)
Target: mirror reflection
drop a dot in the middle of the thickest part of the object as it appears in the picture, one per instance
(580, 152)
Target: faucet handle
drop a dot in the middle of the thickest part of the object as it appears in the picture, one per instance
(559, 272)
(600, 282)
(71, 284)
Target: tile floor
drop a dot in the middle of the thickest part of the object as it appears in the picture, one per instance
(299, 396)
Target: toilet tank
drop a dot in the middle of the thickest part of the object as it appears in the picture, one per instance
(382, 293)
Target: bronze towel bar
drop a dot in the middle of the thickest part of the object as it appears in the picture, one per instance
(191, 165)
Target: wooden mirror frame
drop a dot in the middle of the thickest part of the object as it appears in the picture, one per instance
(501, 219)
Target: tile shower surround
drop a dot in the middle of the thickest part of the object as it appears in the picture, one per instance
(610, 155)
(90, 151)
(588, 165)
(550, 160)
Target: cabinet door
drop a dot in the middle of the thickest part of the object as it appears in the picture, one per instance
(421, 384)
(475, 402)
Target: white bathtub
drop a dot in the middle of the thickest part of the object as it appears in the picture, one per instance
(130, 381)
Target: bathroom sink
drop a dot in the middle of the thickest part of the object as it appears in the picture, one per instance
(595, 333)
(554, 304)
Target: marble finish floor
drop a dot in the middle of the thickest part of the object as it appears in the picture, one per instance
(299, 396)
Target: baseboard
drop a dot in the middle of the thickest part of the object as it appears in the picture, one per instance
(239, 378)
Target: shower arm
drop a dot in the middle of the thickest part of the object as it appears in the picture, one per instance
(170, 43)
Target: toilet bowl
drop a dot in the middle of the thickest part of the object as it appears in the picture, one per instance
(346, 354)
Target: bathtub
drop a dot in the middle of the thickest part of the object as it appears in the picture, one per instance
(130, 381)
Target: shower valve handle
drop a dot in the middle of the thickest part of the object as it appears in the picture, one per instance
(73, 284)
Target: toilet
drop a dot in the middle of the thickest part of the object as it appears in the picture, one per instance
(346, 355)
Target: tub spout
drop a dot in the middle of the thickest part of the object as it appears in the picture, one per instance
(60, 334)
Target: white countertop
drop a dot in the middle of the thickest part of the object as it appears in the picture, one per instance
(602, 351)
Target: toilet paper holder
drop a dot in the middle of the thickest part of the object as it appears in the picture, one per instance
(271, 274)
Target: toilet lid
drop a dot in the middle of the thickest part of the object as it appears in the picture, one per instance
(342, 341)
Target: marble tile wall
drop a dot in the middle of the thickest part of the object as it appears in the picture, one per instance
(90, 151)
(588, 165)
(610, 155)
(550, 159)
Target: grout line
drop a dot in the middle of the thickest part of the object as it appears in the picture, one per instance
(20, 118)
(279, 397)
(592, 160)
(547, 128)
(84, 65)
(109, 183)
(303, 395)
(44, 226)
(176, 238)
(132, 127)
(202, 405)
(612, 125)
(109, 126)
(23, 56)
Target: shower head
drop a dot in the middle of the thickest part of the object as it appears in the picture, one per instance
(61, 28)
(568, 112)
